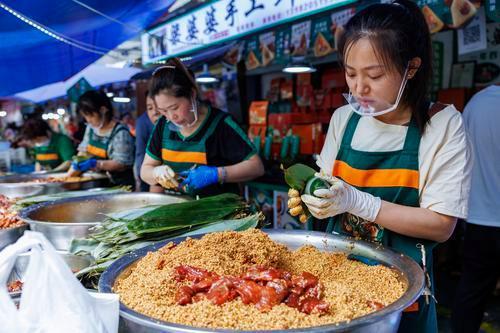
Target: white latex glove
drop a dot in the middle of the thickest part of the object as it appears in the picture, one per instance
(165, 176)
(341, 198)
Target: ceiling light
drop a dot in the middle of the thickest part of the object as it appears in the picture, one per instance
(61, 111)
(3, 113)
(110, 94)
(121, 99)
(298, 66)
(206, 76)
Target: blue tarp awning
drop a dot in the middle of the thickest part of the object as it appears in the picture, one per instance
(30, 58)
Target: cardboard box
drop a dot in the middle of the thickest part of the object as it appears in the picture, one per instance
(309, 135)
(257, 113)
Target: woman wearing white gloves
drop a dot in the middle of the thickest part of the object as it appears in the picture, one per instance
(194, 147)
(398, 166)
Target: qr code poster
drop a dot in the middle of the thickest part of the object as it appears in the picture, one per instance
(472, 37)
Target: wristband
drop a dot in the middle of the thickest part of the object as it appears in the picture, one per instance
(223, 175)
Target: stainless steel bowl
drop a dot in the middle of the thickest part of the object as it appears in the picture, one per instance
(11, 235)
(74, 262)
(13, 191)
(20, 186)
(383, 321)
(64, 219)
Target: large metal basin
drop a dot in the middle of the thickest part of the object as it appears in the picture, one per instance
(62, 220)
(383, 321)
(11, 235)
(20, 186)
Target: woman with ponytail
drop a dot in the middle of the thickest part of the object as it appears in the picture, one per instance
(398, 165)
(194, 147)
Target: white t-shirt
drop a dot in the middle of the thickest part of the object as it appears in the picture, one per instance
(482, 119)
(444, 155)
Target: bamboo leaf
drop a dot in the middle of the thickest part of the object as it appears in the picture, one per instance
(297, 175)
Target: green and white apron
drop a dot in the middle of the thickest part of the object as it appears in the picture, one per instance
(97, 147)
(182, 155)
(47, 156)
(393, 176)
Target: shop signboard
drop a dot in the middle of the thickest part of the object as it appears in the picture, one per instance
(225, 20)
(493, 10)
(439, 8)
(267, 47)
(301, 37)
(339, 20)
(322, 36)
(283, 44)
(253, 57)
(78, 89)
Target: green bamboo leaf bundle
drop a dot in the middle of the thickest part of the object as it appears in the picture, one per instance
(169, 219)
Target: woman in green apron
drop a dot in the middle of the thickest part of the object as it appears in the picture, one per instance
(107, 144)
(398, 166)
(194, 147)
(52, 151)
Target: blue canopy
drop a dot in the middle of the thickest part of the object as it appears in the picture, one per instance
(30, 58)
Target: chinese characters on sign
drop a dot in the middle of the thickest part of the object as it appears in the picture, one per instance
(224, 20)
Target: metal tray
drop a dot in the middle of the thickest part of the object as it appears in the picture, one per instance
(385, 320)
(20, 186)
(64, 219)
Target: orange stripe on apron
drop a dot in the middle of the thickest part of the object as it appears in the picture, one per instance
(376, 177)
(183, 156)
(96, 151)
(47, 157)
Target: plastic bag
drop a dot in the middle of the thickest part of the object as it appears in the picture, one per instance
(52, 299)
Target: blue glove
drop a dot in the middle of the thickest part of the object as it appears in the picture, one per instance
(200, 177)
(84, 165)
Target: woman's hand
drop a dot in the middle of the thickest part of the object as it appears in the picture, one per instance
(86, 165)
(165, 176)
(341, 198)
(200, 177)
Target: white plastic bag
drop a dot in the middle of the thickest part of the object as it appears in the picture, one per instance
(52, 299)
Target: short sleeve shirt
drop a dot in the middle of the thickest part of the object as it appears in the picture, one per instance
(445, 160)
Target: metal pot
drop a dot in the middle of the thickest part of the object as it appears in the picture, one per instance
(74, 262)
(385, 320)
(20, 186)
(64, 219)
(11, 235)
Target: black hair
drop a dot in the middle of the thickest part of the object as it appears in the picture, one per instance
(90, 103)
(173, 79)
(34, 128)
(398, 33)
